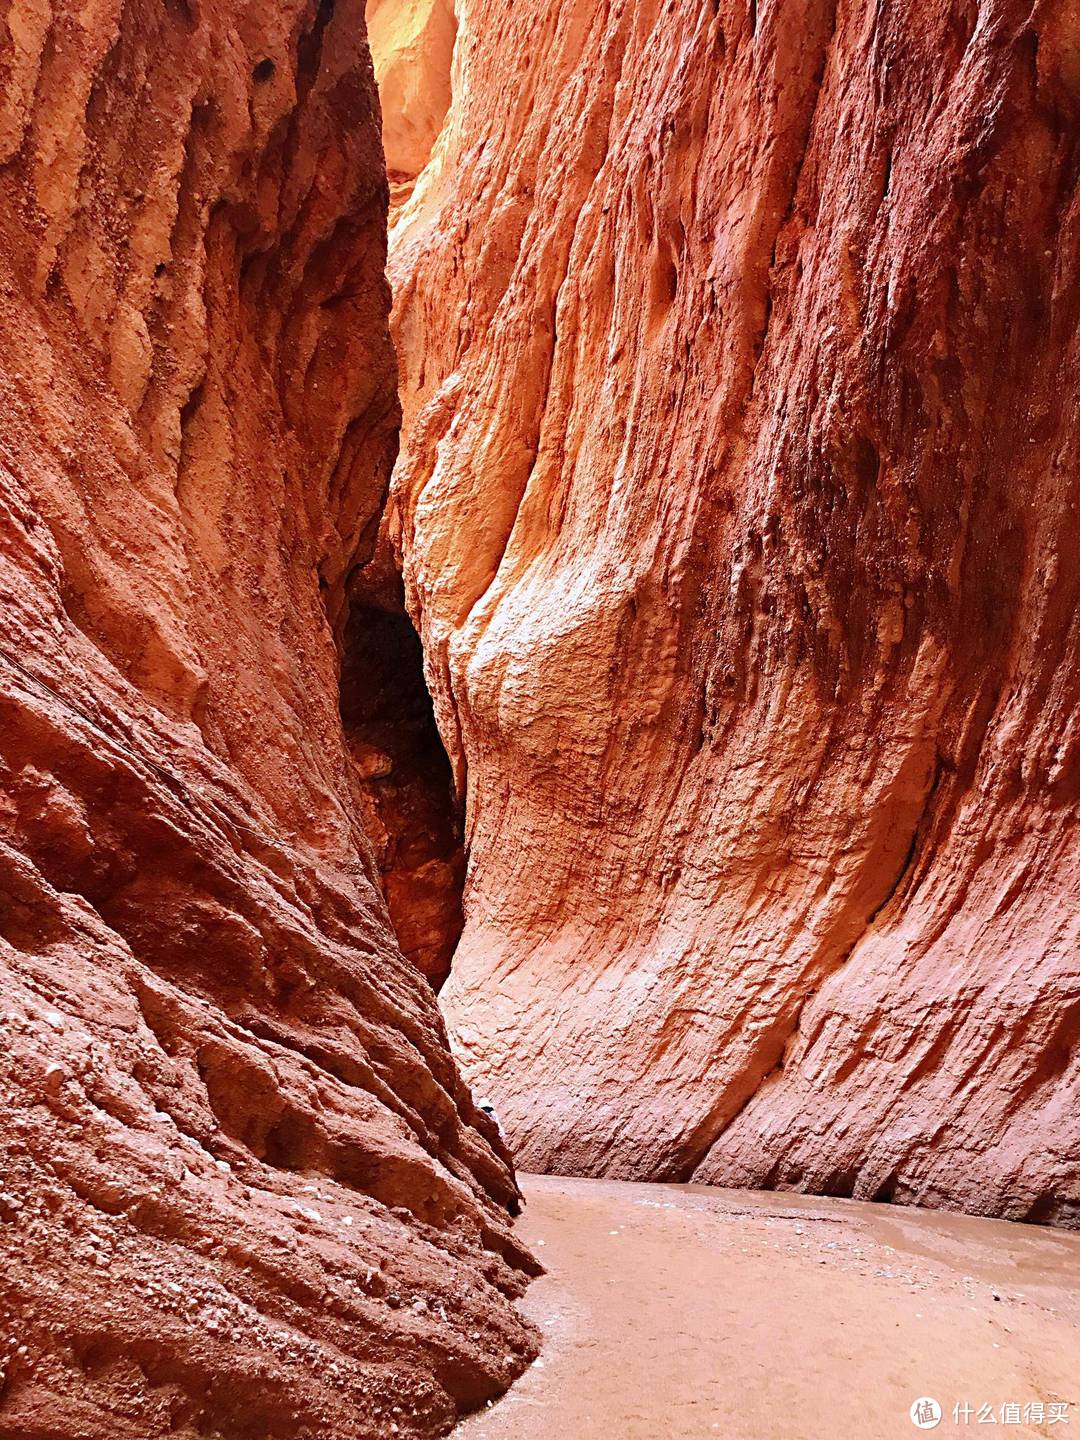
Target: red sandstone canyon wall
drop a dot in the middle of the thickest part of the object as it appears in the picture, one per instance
(738, 506)
(243, 1189)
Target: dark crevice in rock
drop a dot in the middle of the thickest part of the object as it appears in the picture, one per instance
(403, 780)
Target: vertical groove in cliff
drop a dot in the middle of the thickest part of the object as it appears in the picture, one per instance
(403, 782)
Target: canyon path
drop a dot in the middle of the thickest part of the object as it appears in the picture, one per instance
(688, 1312)
(735, 513)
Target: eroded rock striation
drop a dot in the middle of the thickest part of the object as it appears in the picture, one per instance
(738, 499)
(243, 1189)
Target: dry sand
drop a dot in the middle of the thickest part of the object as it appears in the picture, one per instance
(674, 1311)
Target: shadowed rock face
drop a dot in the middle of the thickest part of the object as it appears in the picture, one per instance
(738, 494)
(245, 1191)
(404, 787)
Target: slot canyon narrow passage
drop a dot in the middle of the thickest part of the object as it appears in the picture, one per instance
(404, 784)
(557, 585)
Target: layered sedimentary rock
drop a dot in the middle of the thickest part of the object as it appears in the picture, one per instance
(738, 497)
(243, 1189)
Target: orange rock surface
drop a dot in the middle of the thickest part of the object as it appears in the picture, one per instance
(738, 501)
(243, 1189)
(412, 42)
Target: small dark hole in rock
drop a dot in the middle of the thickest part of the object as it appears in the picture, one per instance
(263, 71)
(181, 11)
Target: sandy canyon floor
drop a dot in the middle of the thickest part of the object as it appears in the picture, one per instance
(678, 1311)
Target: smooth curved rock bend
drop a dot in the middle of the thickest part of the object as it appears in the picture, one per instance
(738, 498)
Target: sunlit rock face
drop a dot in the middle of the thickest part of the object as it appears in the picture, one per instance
(244, 1189)
(738, 496)
(412, 44)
